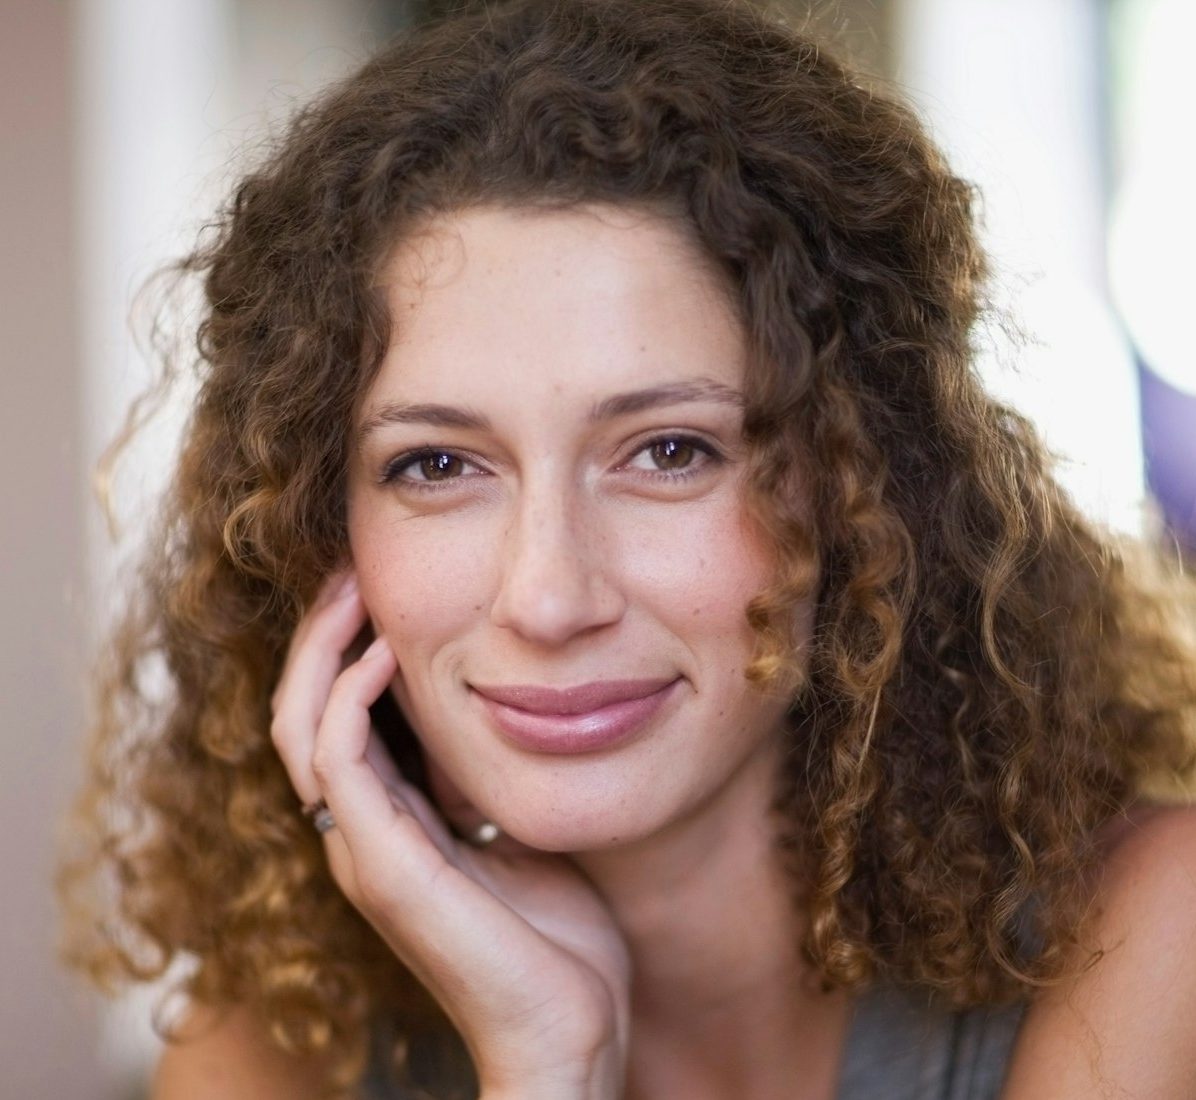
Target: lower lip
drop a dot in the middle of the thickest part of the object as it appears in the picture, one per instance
(571, 734)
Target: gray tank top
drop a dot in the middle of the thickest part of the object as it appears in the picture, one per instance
(899, 1047)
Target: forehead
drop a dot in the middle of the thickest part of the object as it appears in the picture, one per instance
(573, 294)
(507, 235)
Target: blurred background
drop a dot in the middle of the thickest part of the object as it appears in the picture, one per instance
(125, 122)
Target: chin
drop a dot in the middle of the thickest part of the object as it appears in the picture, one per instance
(594, 828)
(574, 841)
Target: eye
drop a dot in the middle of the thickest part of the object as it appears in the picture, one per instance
(676, 454)
(426, 465)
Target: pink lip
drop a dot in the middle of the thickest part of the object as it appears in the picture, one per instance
(574, 720)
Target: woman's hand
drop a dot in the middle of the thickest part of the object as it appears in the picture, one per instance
(515, 945)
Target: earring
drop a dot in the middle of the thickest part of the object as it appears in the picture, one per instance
(485, 834)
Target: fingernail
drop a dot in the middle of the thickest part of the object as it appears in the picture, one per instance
(347, 587)
(377, 646)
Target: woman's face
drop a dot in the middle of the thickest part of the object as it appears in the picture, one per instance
(546, 517)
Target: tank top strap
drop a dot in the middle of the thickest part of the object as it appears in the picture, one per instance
(902, 1046)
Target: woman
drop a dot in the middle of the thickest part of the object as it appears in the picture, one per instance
(592, 380)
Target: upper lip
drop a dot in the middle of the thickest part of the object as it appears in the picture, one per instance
(574, 700)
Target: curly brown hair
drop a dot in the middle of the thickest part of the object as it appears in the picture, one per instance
(988, 681)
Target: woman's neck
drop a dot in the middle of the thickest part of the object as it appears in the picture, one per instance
(723, 1003)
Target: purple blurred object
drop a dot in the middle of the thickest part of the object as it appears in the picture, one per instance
(1169, 451)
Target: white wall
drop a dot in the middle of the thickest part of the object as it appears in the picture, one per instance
(1013, 91)
(46, 1025)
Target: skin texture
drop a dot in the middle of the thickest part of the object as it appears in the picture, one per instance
(559, 553)
(1123, 1028)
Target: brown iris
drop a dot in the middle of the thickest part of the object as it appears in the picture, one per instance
(672, 454)
(440, 466)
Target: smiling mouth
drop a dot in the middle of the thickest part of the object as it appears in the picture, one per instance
(586, 718)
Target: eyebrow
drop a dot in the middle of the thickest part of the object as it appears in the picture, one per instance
(609, 408)
(439, 416)
(674, 393)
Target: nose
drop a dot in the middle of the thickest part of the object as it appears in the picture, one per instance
(556, 577)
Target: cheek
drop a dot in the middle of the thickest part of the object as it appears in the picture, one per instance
(421, 581)
(705, 565)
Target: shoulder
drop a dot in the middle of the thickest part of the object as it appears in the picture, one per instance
(1123, 1027)
(229, 1056)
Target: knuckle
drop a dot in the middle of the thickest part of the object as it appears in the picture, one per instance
(319, 621)
(378, 895)
(337, 692)
(323, 765)
(346, 688)
(279, 730)
(370, 895)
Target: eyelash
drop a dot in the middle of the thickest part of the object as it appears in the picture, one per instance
(392, 473)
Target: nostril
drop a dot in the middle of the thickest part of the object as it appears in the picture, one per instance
(553, 605)
(554, 583)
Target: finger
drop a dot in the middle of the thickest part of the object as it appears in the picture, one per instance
(396, 841)
(340, 762)
(313, 663)
(339, 585)
(407, 796)
(384, 854)
(382, 761)
(325, 621)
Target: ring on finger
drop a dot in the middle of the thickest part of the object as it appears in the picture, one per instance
(319, 815)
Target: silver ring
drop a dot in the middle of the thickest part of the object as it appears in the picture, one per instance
(320, 816)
